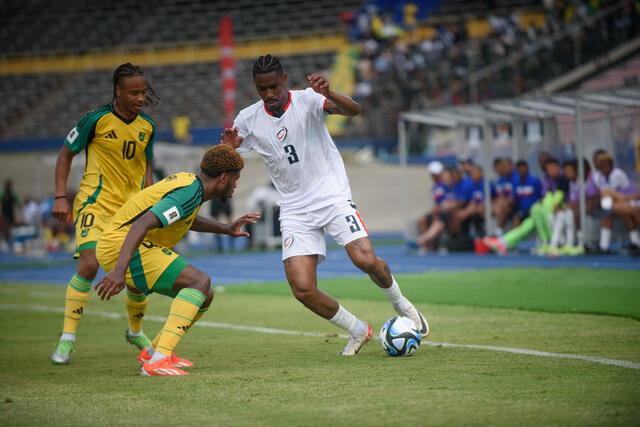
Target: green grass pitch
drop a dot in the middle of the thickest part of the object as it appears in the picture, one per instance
(245, 377)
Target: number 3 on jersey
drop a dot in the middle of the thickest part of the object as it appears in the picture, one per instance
(291, 151)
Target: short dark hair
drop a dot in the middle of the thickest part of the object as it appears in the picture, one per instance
(522, 162)
(267, 64)
(552, 160)
(220, 159)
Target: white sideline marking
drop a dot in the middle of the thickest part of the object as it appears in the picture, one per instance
(111, 315)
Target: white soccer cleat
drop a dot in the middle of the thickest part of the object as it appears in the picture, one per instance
(421, 323)
(356, 342)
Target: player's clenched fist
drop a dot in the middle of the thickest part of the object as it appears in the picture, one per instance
(319, 83)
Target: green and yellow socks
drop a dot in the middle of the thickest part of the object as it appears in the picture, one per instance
(75, 301)
(183, 313)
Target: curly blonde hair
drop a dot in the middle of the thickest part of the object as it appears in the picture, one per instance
(220, 159)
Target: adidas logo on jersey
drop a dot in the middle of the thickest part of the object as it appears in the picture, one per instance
(111, 135)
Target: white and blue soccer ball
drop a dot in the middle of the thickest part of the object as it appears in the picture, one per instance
(400, 336)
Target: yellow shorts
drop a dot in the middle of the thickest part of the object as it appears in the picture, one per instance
(89, 224)
(153, 268)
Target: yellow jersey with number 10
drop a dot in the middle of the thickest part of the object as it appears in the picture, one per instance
(117, 151)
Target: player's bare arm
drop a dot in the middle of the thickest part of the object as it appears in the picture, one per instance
(207, 225)
(61, 209)
(148, 175)
(337, 103)
(231, 138)
(113, 282)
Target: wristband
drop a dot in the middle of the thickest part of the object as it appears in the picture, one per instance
(60, 197)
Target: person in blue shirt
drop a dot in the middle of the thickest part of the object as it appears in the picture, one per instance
(473, 211)
(504, 204)
(528, 190)
(555, 196)
(446, 201)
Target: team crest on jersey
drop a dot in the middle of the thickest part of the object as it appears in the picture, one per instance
(141, 136)
(282, 134)
(287, 242)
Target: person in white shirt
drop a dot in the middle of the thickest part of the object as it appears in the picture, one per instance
(613, 184)
(287, 129)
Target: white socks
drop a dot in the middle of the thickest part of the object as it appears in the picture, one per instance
(347, 321)
(157, 355)
(394, 295)
(134, 334)
(68, 337)
(605, 238)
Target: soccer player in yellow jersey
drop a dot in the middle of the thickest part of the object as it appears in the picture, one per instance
(118, 143)
(134, 249)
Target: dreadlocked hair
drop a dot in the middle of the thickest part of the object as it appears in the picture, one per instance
(220, 159)
(266, 64)
(130, 70)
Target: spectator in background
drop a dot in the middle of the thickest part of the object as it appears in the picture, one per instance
(446, 201)
(615, 183)
(528, 190)
(504, 203)
(221, 208)
(435, 169)
(180, 125)
(555, 194)
(472, 214)
(466, 164)
(10, 203)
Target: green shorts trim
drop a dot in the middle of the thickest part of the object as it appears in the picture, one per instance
(82, 247)
(137, 274)
(164, 284)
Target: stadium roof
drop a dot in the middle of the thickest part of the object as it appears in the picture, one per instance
(523, 109)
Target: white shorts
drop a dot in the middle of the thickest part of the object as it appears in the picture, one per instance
(304, 233)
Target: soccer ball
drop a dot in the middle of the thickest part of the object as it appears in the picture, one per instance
(400, 336)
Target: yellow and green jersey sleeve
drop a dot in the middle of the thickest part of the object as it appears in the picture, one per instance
(117, 152)
(175, 201)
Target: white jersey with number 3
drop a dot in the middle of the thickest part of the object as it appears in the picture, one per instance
(303, 161)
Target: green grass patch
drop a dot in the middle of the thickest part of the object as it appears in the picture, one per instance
(560, 290)
(251, 378)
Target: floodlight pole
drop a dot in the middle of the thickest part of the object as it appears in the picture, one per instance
(403, 154)
(581, 183)
(486, 165)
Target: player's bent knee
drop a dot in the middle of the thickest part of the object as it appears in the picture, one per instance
(88, 268)
(208, 298)
(202, 283)
(365, 261)
(304, 295)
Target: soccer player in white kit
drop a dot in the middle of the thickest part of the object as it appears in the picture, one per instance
(287, 129)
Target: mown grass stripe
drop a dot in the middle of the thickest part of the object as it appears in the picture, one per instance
(111, 315)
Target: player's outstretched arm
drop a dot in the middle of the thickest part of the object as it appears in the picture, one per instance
(113, 282)
(206, 225)
(61, 209)
(231, 138)
(337, 103)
